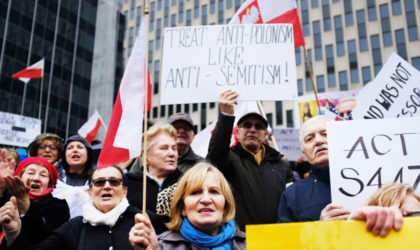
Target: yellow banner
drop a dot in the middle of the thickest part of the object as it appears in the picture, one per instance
(331, 235)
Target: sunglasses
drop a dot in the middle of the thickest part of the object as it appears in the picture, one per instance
(248, 125)
(44, 147)
(113, 182)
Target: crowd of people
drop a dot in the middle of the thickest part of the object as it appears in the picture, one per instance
(56, 199)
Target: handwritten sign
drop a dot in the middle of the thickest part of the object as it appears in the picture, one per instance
(256, 60)
(340, 235)
(17, 130)
(367, 154)
(395, 92)
(287, 140)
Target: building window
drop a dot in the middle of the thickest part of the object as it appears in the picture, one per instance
(196, 8)
(300, 87)
(354, 73)
(361, 29)
(212, 6)
(320, 83)
(289, 118)
(195, 107)
(366, 75)
(237, 4)
(413, 34)
(159, 4)
(339, 37)
(348, 9)
(298, 56)
(309, 86)
(400, 39)
(188, 22)
(152, 16)
(170, 109)
(415, 61)
(371, 10)
(279, 112)
(156, 77)
(181, 11)
(178, 108)
(220, 18)
(173, 20)
(173, 2)
(204, 14)
(376, 53)
(187, 108)
(386, 25)
(166, 14)
(229, 4)
(317, 40)
(162, 110)
(314, 3)
(155, 112)
(305, 17)
(329, 53)
(203, 116)
(342, 75)
(326, 14)
(158, 32)
(396, 7)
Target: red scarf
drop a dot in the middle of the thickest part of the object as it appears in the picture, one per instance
(37, 197)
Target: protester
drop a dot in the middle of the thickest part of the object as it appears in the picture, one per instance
(105, 223)
(77, 170)
(397, 195)
(48, 146)
(202, 212)
(183, 124)
(345, 107)
(257, 172)
(40, 212)
(13, 156)
(161, 169)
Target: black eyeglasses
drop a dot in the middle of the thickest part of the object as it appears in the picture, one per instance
(416, 213)
(113, 182)
(248, 125)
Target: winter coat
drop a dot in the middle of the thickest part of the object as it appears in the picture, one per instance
(305, 199)
(256, 188)
(68, 236)
(174, 241)
(188, 160)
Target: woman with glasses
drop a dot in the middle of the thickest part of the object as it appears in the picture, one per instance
(40, 212)
(162, 172)
(105, 223)
(397, 195)
(48, 146)
(202, 213)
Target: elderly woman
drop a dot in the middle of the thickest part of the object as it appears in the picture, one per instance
(48, 146)
(397, 195)
(105, 223)
(41, 213)
(161, 170)
(202, 213)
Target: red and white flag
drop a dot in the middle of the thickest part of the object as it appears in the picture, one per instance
(123, 138)
(271, 11)
(90, 129)
(34, 71)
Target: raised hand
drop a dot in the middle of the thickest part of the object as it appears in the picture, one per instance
(19, 189)
(142, 235)
(227, 100)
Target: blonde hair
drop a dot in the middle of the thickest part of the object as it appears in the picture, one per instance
(157, 129)
(192, 180)
(389, 194)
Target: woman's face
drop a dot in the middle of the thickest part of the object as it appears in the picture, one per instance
(38, 177)
(409, 205)
(48, 150)
(107, 194)
(204, 208)
(76, 154)
(163, 155)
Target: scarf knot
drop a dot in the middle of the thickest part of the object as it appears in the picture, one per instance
(219, 242)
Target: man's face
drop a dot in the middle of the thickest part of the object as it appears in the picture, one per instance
(252, 133)
(185, 133)
(314, 142)
(345, 108)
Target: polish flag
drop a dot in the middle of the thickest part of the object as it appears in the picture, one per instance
(271, 11)
(90, 129)
(123, 138)
(34, 71)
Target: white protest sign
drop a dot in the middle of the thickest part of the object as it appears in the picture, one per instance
(367, 154)
(17, 130)
(287, 140)
(255, 60)
(395, 92)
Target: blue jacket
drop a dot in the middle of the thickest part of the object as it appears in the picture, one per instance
(305, 199)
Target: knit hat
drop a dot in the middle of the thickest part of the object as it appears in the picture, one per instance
(30, 160)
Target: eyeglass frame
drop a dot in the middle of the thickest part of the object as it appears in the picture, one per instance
(44, 147)
(110, 180)
(256, 125)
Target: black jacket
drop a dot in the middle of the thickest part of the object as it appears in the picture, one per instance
(305, 199)
(68, 236)
(188, 160)
(256, 188)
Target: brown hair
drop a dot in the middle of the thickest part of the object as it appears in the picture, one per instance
(389, 194)
(192, 180)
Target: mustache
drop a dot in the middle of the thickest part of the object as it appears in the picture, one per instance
(320, 148)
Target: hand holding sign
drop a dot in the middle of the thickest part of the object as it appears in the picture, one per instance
(227, 101)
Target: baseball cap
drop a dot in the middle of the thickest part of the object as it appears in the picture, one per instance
(255, 115)
(181, 117)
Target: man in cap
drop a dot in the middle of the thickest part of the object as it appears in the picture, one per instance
(257, 172)
(185, 135)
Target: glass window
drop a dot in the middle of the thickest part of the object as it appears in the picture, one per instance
(314, 3)
(204, 14)
(289, 118)
(331, 79)
(300, 87)
(371, 10)
(317, 40)
(320, 83)
(342, 76)
(396, 7)
(279, 112)
(188, 22)
(229, 4)
(220, 18)
(376, 53)
(348, 9)
(386, 25)
(361, 28)
(156, 76)
(196, 8)
(155, 112)
(181, 11)
(339, 37)
(309, 86)
(400, 39)
(305, 18)
(187, 108)
(416, 62)
(298, 56)
(159, 4)
(162, 111)
(237, 4)
(173, 20)
(411, 20)
(329, 53)
(195, 107)
(178, 108)
(212, 6)
(367, 76)
(170, 109)
(326, 14)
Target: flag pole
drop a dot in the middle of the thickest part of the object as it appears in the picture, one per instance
(3, 47)
(23, 98)
(312, 78)
(146, 84)
(40, 96)
(103, 124)
(265, 116)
